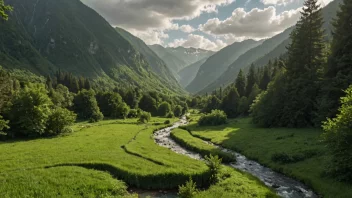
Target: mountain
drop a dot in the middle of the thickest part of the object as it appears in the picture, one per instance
(45, 36)
(218, 63)
(271, 48)
(158, 66)
(180, 57)
(188, 73)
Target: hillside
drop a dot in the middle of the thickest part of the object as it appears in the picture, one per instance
(188, 73)
(45, 36)
(271, 48)
(218, 63)
(180, 57)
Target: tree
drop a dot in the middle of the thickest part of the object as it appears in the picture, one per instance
(164, 109)
(86, 106)
(230, 103)
(243, 106)
(241, 83)
(61, 96)
(339, 71)
(59, 120)
(178, 111)
(144, 117)
(212, 103)
(338, 136)
(251, 80)
(3, 125)
(111, 105)
(265, 80)
(29, 111)
(6, 87)
(255, 92)
(3, 9)
(147, 103)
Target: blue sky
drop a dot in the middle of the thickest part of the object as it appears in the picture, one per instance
(207, 24)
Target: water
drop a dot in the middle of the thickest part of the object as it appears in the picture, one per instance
(284, 186)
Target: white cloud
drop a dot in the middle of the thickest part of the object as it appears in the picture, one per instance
(198, 41)
(187, 28)
(276, 2)
(255, 24)
(150, 36)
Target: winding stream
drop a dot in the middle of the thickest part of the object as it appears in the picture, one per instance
(284, 186)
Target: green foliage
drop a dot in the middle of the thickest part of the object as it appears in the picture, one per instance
(148, 103)
(189, 190)
(61, 96)
(214, 164)
(255, 92)
(111, 105)
(241, 83)
(59, 120)
(6, 87)
(3, 9)
(86, 106)
(251, 80)
(133, 113)
(144, 117)
(3, 125)
(170, 115)
(215, 118)
(178, 111)
(284, 158)
(167, 122)
(338, 136)
(211, 103)
(29, 111)
(243, 106)
(164, 109)
(230, 103)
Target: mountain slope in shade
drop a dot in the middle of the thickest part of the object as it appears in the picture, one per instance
(180, 57)
(158, 65)
(50, 35)
(188, 73)
(268, 50)
(218, 63)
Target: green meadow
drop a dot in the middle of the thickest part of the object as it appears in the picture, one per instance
(104, 159)
(298, 153)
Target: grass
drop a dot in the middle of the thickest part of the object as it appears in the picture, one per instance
(298, 153)
(185, 139)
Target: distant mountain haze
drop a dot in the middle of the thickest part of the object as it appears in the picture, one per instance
(188, 73)
(218, 63)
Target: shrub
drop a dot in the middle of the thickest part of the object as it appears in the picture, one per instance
(133, 113)
(338, 136)
(215, 118)
(178, 111)
(170, 115)
(59, 120)
(285, 158)
(164, 108)
(188, 190)
(167, 122)
(96, 117)
(214, 164)
(144, 117)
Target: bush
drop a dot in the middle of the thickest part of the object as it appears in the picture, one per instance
(178, 111)
(285, 158)
(215, 118)
(167, 122)
(133, 113)
(170, 115)
(214, 164)
(144, 117)
(96, 117)
(59, 120)
(338, 136)
(164, 108)
(188, 190)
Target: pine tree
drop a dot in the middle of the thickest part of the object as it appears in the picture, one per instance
(339, 70)
(241, 83)
(306, 60)
(230, 103)
(265, 80)
(251, 80)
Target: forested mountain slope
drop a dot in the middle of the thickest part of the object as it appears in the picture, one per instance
(188, 73)
(45, 36)
(271, 48)
(218, 63)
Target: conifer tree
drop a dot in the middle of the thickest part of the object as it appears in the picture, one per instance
(241, 83)
(265, 80)
(251, 80)
(339, 70)
(230, 103)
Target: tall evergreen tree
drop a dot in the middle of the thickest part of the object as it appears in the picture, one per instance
(339, 70)
(265, 80)
(241, 83)
(251, 80)
(230, 103)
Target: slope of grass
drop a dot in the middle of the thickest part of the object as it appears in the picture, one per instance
(298, 153)
(185, 139)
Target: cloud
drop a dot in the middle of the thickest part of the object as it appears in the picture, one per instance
(255, 24)
(144, 14)
(198, 41)
(187, 28)
(151, 36)
(276, 2)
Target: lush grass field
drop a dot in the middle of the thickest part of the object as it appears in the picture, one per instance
(185, 139)
(298, 153)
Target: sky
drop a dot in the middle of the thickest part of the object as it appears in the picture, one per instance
(206, 24)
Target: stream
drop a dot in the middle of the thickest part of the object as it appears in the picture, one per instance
(283, 185)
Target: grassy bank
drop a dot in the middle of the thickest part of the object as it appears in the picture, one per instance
(298, 153)
(185, 139)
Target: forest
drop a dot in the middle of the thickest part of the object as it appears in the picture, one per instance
(65, 134)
